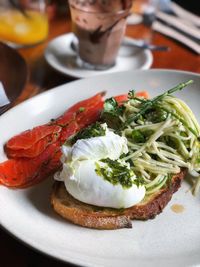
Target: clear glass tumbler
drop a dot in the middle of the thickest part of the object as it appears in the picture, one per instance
(23, 22)
(99, 26)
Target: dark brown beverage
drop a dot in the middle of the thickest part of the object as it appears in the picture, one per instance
(99, 26)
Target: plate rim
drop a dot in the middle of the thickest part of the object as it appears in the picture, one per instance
(20, 239)
(94, 77)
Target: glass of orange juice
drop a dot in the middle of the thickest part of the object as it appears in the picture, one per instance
(23, 22)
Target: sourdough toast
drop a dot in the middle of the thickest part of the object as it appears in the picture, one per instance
(108, 218)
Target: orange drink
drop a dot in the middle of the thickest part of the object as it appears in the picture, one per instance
(26, 28)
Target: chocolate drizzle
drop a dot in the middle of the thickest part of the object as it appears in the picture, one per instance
(96, 36)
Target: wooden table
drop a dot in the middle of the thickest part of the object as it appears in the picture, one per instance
(41, 78)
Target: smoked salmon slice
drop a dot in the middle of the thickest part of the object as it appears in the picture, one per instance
(50, 168)
(35, 150)
(28, 138)
(87, 103)
(19, 172)
(31, 143)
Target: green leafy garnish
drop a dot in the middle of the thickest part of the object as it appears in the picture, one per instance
(156, 114)
(111, 105)
(81, 109)
(198, 160)
(131, 94)
(137, 137)
(112, 112)
(116, 172)
(93, 130)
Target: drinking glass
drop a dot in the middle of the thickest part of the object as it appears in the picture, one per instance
(23, 22)
(99, 26)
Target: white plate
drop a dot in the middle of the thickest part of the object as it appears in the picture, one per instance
(61, 57)
(169, 240)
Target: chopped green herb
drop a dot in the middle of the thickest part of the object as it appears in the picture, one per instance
(93, 130)
(111, 113)
(171, 141)
(131, 94)
(139, 181)
(116, 172)
(110, 105)
(81, 109)
(148, 133)
(137, 136)
(198, 160)
(156, 115)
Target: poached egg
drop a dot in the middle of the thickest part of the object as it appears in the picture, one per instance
(82, 180)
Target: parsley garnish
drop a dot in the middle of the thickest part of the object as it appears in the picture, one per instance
(131, 94)
(112, 112)
(93, 130)
(116, 172)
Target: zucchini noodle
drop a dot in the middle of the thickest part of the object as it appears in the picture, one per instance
(162, 140)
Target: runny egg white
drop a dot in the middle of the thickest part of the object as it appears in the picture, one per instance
(111, 145)
(82, 180)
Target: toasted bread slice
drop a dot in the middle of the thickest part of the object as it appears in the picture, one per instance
(107, 218)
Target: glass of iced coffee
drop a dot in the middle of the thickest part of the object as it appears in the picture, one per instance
(99, 26)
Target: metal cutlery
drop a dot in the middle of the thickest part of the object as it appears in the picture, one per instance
(143, 45)
(129, 42)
